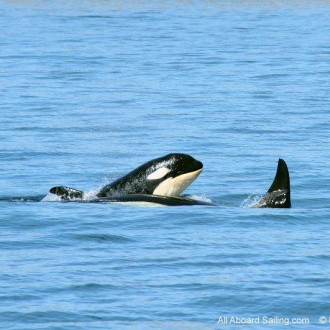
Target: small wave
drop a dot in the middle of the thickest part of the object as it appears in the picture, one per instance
(41, 317)
(22, 199)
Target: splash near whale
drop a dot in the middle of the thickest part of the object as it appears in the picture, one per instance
(161, 181)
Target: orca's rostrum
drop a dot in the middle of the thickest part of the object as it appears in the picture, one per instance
(161, 181)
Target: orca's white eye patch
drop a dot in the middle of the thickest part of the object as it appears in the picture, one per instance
(158, 174)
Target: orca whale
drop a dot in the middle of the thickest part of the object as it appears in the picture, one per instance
(165, 176)
(279, 193)
(162, 180)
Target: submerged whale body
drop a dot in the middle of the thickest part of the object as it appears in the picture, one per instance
(141, 199)
(162, 180)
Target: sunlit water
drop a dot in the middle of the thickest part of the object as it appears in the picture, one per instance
(91, 90)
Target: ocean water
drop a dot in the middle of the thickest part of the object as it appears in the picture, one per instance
(89, 90)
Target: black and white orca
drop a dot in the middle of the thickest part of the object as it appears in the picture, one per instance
(165, 176)
(161, 182)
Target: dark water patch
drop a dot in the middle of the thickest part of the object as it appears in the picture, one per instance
(285, 261)
(85, 288)
(101, 238)
(320, 257)
(92, 17)
(317, 280)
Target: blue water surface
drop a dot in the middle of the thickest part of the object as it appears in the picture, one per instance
(89, 90)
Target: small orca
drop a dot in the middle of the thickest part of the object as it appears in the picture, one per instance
(165, 176)
(279, 193)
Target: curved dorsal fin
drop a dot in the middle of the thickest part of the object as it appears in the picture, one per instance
(279, 193)
(282, 178)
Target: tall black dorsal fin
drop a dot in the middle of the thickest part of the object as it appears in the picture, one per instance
(279, 193)
(282, 178)
(67, 193)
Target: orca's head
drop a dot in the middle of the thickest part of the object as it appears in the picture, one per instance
(166, 176)
(172, 174)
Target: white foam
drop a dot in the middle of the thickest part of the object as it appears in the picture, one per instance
(90, 195)
(202, 198)
(250, 201)
(51, 198)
